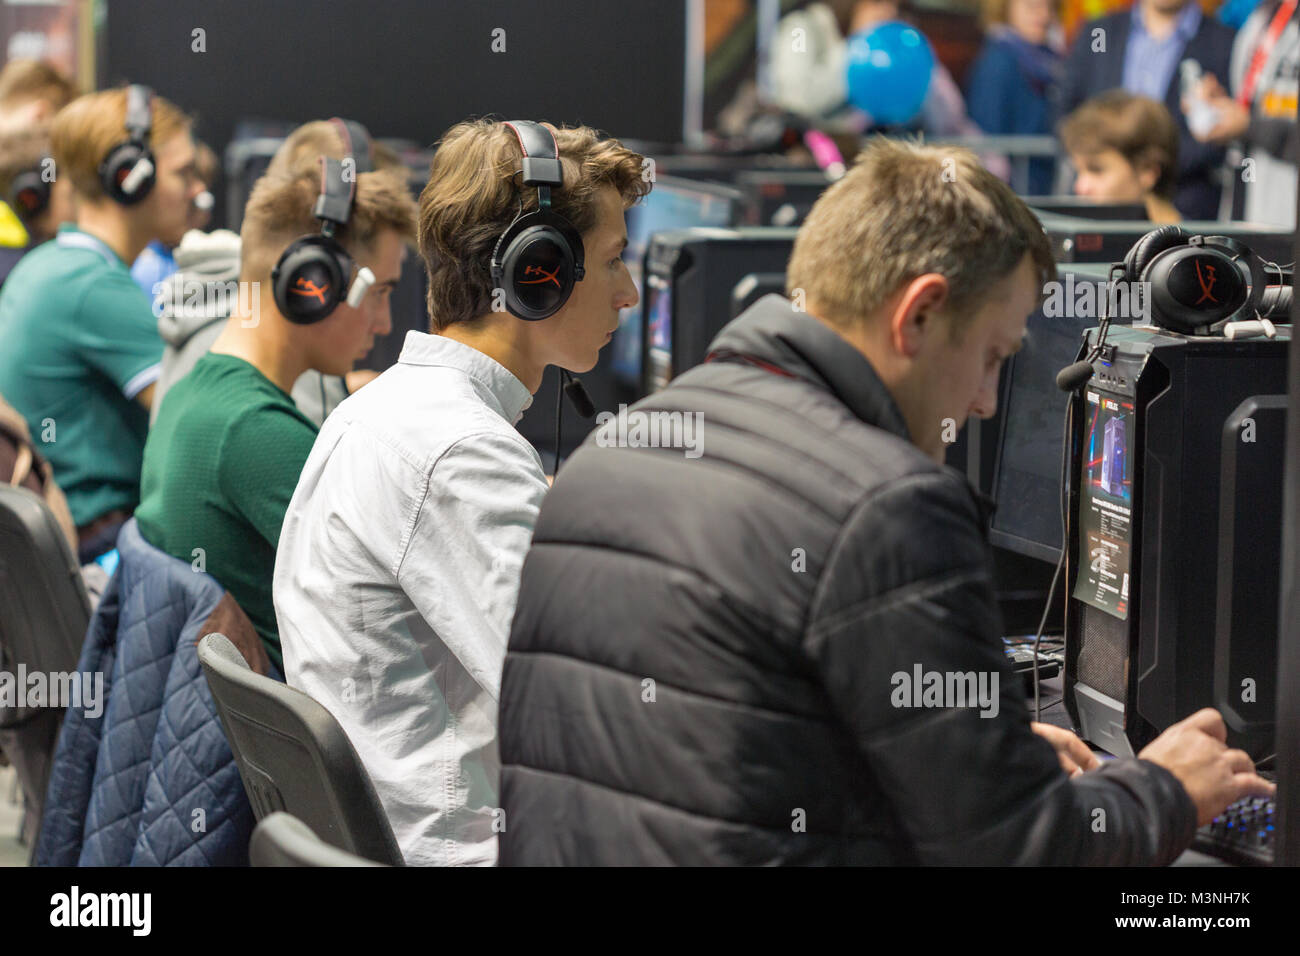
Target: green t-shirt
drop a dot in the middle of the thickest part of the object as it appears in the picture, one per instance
(78, 342)
(222, 461)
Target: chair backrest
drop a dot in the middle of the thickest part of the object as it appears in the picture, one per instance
(44, 609)
(283, 840)
(293, 755)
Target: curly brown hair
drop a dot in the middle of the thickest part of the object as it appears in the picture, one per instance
(473, 195)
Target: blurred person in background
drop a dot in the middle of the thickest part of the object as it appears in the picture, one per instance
(1124, 148)
(158, 260)
(1143, 51)
(1261, 112)
(31, 92)
(1015, 73)
(81, 347)
(40, 199)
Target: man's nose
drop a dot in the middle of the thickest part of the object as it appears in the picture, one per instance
(627, 294)
(986, 402)
(383, 317)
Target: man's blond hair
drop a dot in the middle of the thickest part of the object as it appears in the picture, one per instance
(306, 144)
(905, 210)
(22, 81)
(22, 151)
(280, 211)
(90, 126)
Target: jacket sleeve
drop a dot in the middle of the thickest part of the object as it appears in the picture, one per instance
(993, 85)
(906, 594)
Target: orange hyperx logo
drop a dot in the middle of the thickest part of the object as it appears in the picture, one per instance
(1207, 284)
(539, 271)
(306, 287)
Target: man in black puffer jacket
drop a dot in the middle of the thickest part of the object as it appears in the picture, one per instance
(757, 623)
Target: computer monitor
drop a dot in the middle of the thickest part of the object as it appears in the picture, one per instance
(780, 197)
(1086, 208)
(673, 203)
(1076, 239)
(1027, 465)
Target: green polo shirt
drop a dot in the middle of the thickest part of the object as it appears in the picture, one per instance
(222, 461)
(78, 342)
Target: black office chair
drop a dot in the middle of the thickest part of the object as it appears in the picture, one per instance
(44, 612)
(46, 609)
(293, 755)
(283, 840)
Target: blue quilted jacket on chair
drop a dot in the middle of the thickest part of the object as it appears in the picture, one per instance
(150, 781)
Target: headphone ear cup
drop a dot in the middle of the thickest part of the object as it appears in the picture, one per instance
(542, 261)
(1149, 246)
(309, 281)
(30, 195)
(118, 165)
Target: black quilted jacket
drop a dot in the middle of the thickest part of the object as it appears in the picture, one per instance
(704, 663)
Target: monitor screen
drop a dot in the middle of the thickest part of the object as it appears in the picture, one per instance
(1105, 511)
(659, 309)
(671, 204)
(1027, 478)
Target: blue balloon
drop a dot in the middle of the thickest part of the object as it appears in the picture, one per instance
(889, 71)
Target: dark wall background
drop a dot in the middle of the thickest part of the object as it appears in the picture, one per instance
(406, 68)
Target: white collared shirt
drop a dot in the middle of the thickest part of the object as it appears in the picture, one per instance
(396, 580)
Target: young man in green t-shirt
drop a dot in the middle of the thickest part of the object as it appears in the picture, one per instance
(79, 345)
(224, 456)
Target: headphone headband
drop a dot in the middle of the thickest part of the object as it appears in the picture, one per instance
(541, 166)
(356, 143)
(334, 204)
(139, 113)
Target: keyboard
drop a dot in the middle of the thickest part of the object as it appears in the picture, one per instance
(1242, 834)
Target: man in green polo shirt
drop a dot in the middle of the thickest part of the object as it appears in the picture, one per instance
(224, 456)
(79, 345)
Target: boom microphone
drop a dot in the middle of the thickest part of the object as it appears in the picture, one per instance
(578, 397)
(1073, 376)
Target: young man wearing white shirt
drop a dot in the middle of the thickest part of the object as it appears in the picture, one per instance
(399, 558)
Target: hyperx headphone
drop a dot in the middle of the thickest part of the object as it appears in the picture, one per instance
(29, 194)
(127, 172)
(539, 258)
(314, 274)
(1199, 284)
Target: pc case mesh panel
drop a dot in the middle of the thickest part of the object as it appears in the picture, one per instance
(1103, 652)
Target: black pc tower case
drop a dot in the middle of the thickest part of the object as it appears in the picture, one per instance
(690, 275)
(1177, 451)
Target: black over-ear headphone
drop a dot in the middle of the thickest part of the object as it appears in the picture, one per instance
(314, 274)
(127, 172)
(29, 194)
(1200, 283)
(540, 257)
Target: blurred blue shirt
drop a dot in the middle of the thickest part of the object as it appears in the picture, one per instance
(152, 266)
(1149, 64)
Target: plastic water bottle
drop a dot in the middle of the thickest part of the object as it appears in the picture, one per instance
(1201, 116)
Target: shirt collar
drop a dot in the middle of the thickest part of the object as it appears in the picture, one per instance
(1189, 21)
(774, 332)
(69, 236)
(511, 395)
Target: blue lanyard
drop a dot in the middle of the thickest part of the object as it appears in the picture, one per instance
(83, 240)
